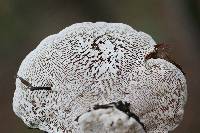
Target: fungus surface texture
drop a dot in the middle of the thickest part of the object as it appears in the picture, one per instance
(89, 64)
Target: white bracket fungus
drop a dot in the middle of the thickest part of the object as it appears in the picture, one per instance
(90, 64)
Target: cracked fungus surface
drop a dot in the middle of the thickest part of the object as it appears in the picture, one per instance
(98, 63)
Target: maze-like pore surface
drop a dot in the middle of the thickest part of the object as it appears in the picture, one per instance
(98, 63)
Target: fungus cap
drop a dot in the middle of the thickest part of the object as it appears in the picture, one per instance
(97, 63)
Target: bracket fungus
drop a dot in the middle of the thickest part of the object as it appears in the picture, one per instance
(61, 82)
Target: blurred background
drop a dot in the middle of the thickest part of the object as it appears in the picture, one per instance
(24, 23)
